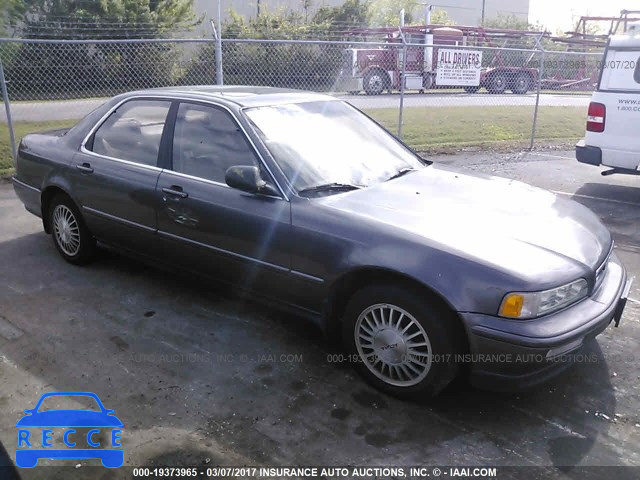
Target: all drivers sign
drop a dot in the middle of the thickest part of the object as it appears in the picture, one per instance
(459, 67)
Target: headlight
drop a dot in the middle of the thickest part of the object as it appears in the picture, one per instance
(536, 304)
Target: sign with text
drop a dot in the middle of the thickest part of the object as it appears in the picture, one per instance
(458, 67)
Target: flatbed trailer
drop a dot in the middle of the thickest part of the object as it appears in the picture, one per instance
(583, 39)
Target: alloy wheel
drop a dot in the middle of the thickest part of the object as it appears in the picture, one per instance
(66, 230)
(393, 345)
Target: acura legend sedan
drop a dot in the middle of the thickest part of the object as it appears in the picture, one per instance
(423, 272)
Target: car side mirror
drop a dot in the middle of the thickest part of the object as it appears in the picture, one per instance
(247, 178)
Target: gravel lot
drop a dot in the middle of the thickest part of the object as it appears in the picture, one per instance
(200, 377)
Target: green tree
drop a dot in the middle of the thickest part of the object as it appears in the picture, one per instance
(441, 17)
(280, 24)
(352, 13)
(114, 19)
(386, 13)
(10, 11)
(312, 67)
(306, 6)
(511, 22)
(326, 23)
(94, 69)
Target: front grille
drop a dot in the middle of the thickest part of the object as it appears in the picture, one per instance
(601, 271)
(348, 65)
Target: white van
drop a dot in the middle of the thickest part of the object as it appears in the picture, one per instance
(612, 138)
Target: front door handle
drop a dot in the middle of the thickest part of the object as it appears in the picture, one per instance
(85, 167)
(176, 191)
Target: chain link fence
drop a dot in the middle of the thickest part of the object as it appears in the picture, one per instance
(433, 96)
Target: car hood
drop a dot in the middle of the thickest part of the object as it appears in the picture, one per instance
(506, 223)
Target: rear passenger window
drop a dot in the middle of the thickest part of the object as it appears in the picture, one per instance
(207, 141)
(133, 131)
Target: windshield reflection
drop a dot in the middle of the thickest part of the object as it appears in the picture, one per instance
(324, 142)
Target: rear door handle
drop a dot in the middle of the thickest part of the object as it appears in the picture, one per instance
(176, 191)
(85, 168)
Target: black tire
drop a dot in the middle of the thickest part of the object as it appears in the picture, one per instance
(471, 89)
(521, 83)
(84, 251)
(497, 83)
(434, 320)
(375, 82)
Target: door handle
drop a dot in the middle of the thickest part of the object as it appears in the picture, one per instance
(85, 168)
(176, 191)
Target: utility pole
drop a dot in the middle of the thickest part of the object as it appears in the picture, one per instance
(258, 8)
(217, 35)
(428, 41)
(482, 18)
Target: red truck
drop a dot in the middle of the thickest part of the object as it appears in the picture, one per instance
(430, 64)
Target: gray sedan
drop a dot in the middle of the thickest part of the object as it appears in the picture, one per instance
(422, 272)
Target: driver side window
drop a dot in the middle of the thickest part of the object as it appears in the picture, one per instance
(207, 141)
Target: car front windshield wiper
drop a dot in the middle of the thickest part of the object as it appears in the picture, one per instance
(401, 172)
(329, 187)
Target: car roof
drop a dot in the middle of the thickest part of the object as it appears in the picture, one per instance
(244, 96)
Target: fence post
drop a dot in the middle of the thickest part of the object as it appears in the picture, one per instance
(7, 107)
(535, 111)
(217, 35)
(402, 83)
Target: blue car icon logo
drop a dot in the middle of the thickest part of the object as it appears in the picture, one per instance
(32, 446)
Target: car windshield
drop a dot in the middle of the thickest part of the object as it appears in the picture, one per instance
(330, 143)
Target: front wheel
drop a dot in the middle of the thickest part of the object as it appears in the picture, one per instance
(521, 84)
(404, 344)
(70, 234)
(375, 82)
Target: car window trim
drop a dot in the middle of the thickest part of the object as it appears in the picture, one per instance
(251, 145)
(90, 138)
(179, 98)
(210, 182)
(165, 155)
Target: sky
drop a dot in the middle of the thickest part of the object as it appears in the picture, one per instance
(562, 14)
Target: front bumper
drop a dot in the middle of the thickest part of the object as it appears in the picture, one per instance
(347, 83)
(507, 354)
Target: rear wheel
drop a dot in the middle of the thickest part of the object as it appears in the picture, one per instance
(401, 342)
(375, 82)
(70, 234)
(497, 83)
